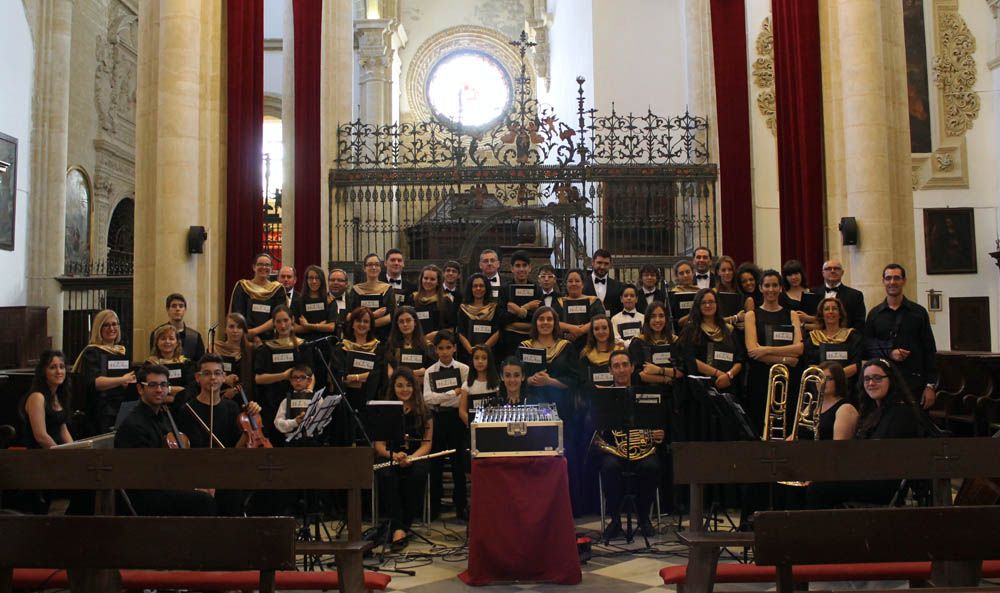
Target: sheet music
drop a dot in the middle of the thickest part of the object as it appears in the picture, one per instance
(318, 415)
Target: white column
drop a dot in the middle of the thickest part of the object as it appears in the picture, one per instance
(49, 141)
(288, 134)
(377, 42)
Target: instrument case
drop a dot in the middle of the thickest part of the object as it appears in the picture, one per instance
(516, 439)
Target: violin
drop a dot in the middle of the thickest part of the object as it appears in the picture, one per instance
(252, 425)
(175, 439)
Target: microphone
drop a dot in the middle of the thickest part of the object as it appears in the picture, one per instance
(212, 329)
(318, 341)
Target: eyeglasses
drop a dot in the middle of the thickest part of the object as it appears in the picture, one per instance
(109, 324)
(372, 264)
(874, 378)
(213, 373)
(301, 377)
(152, 385)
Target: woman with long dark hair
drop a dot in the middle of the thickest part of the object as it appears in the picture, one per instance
(313, 314)
(45, 408)
(433, 310)
(478, 321)
(888, 411)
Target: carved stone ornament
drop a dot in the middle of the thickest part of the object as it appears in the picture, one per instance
(955, 73)
(115, 76)
(763, 75)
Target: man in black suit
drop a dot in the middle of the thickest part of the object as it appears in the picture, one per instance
(598, 283)
(702, 263)
(852, 298)
(489, 265)
(649, 287)
(393, 275)
(549, 284)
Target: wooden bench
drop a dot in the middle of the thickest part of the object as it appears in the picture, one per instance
(81, 544)
(964, 535)
(701, 463)
(292, 468)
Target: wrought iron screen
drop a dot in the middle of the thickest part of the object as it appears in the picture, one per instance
(90, 288)
(641, 186)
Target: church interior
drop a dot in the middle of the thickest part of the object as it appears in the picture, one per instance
(166, 151)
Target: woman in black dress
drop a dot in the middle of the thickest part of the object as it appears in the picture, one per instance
(401, 486)
(359, 363)
(772, 336)
(236, 350)
(407, 345)
(45, 408)
(167, 351)
(832, 341)
(273, 363)
(313, 314)
(104, 367)
(838, 419)
(478, 320)
(575, 310)
(434, 310)
(375, 295)
(256, 298)
(888, 411)
(748, 279)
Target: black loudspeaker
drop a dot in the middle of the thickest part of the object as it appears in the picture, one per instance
(848, 230)
(196, 239)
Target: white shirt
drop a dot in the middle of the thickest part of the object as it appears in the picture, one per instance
(621, 318)
(284, 425)
(395, 282)
(547, 297)
(648, 297)
(705, 282)
(448, 399)
(831, 291)
(600, 289)
(495, 283)
(341, 302)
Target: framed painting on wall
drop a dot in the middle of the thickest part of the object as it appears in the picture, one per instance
(8, 190)
(77, 221)
(950, 240)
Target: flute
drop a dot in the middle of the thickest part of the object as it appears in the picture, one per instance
(386, 464)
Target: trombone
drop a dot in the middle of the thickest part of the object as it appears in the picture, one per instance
(808, 408)
(776, 409)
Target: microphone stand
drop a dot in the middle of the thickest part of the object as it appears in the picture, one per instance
(344, 399)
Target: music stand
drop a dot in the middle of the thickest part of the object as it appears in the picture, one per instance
(614, 408)
(725, 407)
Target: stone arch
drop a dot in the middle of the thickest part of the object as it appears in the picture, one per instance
(121, 237)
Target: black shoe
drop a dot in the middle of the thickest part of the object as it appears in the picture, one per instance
(613, 531)
(646, 528)
(400, 545)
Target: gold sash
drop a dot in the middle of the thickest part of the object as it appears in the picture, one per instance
(376, 288)
(117, 349)
(818, 336)
(257, 292)
(284, 343)
(368, 346)
(551, 352)
(484, 313)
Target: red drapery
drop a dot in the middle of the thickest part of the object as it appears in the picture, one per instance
(308, 18)
(244, 135)
(729, 46)
(798, 93)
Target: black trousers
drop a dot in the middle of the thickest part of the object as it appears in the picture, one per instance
(401, 493)
(450, 433)
(647, 472)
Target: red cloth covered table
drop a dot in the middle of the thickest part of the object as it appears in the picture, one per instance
(521, 523)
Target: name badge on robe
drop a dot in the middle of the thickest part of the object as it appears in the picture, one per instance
(602, 377)
(320, 306)
(724, 356)
(783, 336)
(282, 357)
(370, 303)
(532, 358)
(524, 292)
(836, 354)
(299, 404)
(482, 329)
(496, 293)
(117, 365)
(227, 367)
(445, 383)
(685, 305)
(630, 332)
(260, 308)
(362, 363)
(411, 358)
(662, 358)
(174, 374)
(647, 398)
(423, 314)
(576, 309)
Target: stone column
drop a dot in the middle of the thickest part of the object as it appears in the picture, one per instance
(288, 134)
(867, 139)
(994, 66)
(53, 20)
(336, 90)
(375, 56)
(701, 87)
(180, 162)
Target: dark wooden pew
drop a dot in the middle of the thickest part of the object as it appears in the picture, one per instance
(964, 535)
(293, 468)
(81, 544)
(701, 463)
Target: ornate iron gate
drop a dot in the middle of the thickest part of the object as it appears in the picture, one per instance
(640, 186)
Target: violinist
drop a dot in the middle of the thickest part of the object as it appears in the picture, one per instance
(220, 415)
(147, 427)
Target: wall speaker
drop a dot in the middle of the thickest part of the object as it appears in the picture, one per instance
(196, 239)
(848, 230)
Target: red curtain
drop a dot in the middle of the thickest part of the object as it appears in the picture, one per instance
(244, 136)
(729, 46)
(799, 98)
(308, 19)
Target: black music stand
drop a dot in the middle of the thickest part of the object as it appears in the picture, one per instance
(615, 408)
